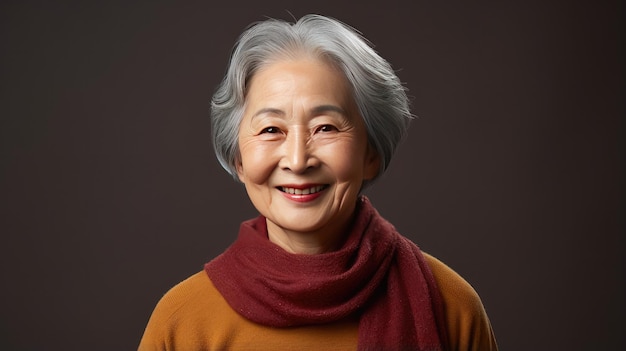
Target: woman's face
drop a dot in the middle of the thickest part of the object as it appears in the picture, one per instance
(303, 148)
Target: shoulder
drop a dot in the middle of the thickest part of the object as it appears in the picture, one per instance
(183, 294)
(468, 326)
(193, 297)
(180, 313)
(188, 288)
(456, 291)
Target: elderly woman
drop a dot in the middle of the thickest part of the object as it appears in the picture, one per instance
(306, 117)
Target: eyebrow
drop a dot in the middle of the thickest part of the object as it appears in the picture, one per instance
(269, 110)
(317, 110)
(329, 108)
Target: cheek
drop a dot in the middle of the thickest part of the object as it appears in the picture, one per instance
(256, 165)
(347, 161)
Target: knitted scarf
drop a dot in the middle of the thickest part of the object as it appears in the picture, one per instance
(377, 275)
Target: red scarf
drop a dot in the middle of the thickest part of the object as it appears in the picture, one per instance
(377, 275)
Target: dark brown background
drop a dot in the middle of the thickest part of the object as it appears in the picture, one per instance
(110, 192)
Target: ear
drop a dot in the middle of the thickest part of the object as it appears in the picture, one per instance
(239, 167)
(372, 164)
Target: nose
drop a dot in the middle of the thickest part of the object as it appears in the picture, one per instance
(297, 156)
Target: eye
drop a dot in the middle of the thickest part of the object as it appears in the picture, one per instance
(270, 130)
(326, 128)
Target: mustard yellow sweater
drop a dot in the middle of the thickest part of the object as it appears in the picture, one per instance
(194, 316)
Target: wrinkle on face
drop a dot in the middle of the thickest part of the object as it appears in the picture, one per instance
(301, 126)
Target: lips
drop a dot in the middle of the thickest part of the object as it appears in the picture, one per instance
(302, 190)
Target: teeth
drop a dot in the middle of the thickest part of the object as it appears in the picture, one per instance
(311, 190)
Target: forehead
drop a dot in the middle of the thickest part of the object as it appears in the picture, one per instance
(298, 78)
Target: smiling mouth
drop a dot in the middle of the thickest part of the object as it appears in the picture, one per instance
(305, 191)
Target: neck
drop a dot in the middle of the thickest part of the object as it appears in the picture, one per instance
(310, 243)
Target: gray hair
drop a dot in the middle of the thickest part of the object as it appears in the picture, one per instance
(378, 92)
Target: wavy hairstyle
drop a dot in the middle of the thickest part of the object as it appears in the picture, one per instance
(380, 96)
